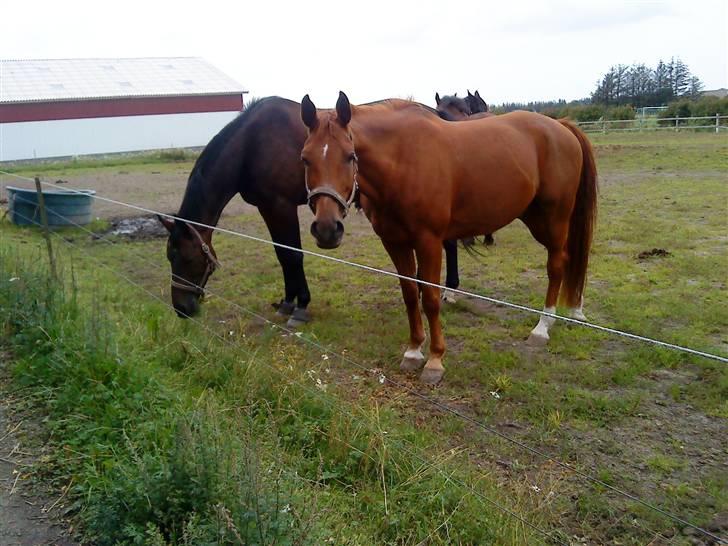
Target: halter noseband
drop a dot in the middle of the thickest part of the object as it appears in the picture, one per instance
(336, 196)
(211, 265)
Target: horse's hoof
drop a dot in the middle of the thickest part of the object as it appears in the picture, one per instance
(537, 340)
(411, 364)
(432, 376)
(448, 296)
(299, 317)
(284, 308)
(578, 315)
(488, 240)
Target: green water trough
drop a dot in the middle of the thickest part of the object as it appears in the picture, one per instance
(63, 208)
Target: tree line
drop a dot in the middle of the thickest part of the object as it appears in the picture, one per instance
(639, 85)
(624, 88)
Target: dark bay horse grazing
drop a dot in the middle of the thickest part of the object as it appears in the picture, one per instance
(423, 180)
(257, 155)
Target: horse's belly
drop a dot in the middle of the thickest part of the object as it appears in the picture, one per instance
(490, 209)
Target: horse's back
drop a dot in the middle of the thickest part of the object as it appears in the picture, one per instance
(269, 143)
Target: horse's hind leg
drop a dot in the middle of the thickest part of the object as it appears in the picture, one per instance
(284, 229)
(555, 268)
(553, 237)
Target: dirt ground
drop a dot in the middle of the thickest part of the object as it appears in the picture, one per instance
(160, 190)
(30, 513)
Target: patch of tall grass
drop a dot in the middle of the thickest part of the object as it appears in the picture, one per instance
(172, 436)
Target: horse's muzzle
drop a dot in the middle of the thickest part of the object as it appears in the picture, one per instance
(187, 307)
(327, 234)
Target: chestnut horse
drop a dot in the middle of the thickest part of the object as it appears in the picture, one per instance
(423, 180)
(257, 155)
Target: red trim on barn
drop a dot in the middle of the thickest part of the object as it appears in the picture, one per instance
(104, 108)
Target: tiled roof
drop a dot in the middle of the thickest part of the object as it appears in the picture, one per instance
(67, 79)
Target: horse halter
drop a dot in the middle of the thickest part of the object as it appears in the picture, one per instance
(331, 192)
(211, 265)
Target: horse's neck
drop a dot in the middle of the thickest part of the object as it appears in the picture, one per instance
(206, 196)
(376, 148)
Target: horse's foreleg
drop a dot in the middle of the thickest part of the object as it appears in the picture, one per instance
(429, 258)
(403, 258)
(555, 268)
(452, 279)
(283, 227)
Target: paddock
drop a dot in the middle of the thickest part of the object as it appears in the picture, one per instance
(547, 434)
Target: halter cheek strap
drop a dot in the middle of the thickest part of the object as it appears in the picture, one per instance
(210, 267)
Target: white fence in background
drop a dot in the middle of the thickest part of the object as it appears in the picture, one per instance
(716, 123)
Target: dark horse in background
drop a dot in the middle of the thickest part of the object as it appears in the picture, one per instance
(257, 155)
(454, 108)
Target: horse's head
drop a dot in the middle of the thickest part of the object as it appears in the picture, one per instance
(190, 253)
(476, 103)
(330, 162)
(452, 107)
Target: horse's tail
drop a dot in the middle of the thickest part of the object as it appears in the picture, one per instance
(581, 225)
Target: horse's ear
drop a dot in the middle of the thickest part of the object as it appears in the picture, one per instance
(477, 94)
(437, 98)
(469, 95)
(308, 113)
(167, 223)
(343, 109)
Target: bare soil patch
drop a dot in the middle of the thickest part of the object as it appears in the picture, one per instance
(30, 512)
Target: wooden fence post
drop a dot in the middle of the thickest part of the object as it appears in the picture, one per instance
(46, 231)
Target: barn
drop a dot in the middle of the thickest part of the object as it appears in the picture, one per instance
(70, 107)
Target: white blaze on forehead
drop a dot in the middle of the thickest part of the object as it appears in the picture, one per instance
(326, 149)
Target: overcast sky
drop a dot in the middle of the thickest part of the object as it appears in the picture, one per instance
(373, 49)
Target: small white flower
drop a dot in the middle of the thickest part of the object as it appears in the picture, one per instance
(230, 332)
(286, 509)
(221, 321)
(495, 395)
(382, 378)
(536, 488)
(325, 357)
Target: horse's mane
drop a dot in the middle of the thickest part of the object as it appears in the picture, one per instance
(213, 149)
(194, 193)
(451, 100)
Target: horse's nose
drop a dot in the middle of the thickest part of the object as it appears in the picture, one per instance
(327, 234)
(188, 307)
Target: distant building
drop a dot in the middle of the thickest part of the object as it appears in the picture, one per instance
(720, 93)
(69, 107)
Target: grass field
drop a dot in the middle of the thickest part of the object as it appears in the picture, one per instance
(228, 430)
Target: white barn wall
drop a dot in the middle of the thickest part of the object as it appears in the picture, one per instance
(58, 138)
